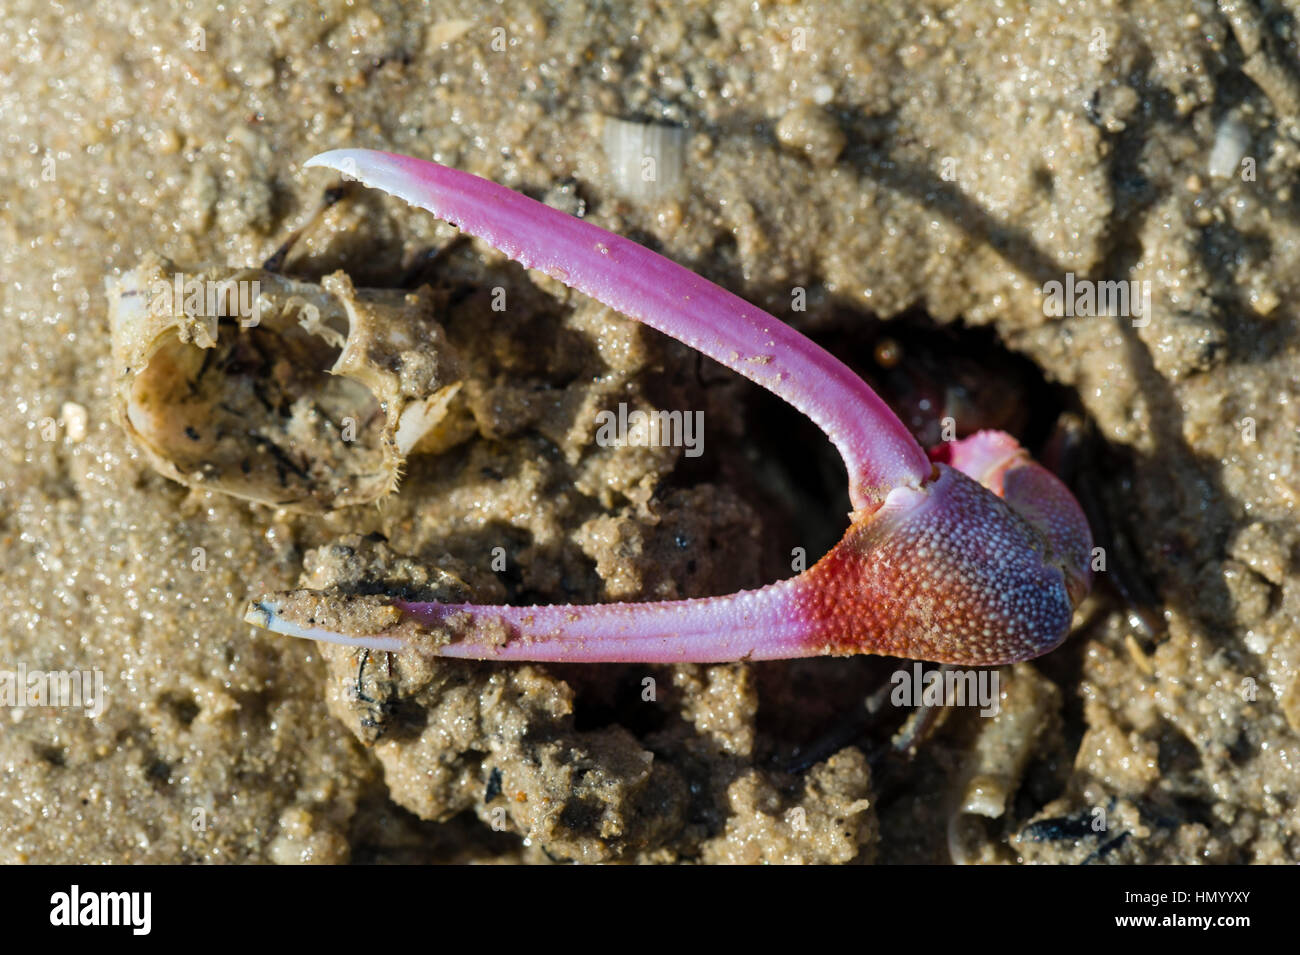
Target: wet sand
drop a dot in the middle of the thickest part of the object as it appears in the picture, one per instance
(933, 173)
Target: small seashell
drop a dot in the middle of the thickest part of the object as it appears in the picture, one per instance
(302, 396)
(646, 160)
(1231, 140)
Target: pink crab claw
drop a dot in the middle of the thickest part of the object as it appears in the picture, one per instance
(972, 555)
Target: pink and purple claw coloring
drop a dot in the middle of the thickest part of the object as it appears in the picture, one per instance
(972, 554)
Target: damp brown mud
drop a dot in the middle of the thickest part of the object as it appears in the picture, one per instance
(914, 183)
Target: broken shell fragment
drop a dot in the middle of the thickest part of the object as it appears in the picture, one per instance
(273, 390)
(646, 160)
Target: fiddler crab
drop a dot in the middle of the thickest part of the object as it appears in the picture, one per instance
(972, 554)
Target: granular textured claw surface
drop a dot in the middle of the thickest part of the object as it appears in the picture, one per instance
(949, 573)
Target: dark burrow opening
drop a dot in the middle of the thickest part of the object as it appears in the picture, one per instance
(927, 373)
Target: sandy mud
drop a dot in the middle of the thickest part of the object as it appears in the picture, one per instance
(914, 187)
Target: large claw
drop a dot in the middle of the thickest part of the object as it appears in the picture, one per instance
(976, 558)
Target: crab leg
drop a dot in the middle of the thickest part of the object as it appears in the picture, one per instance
(975, 558)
